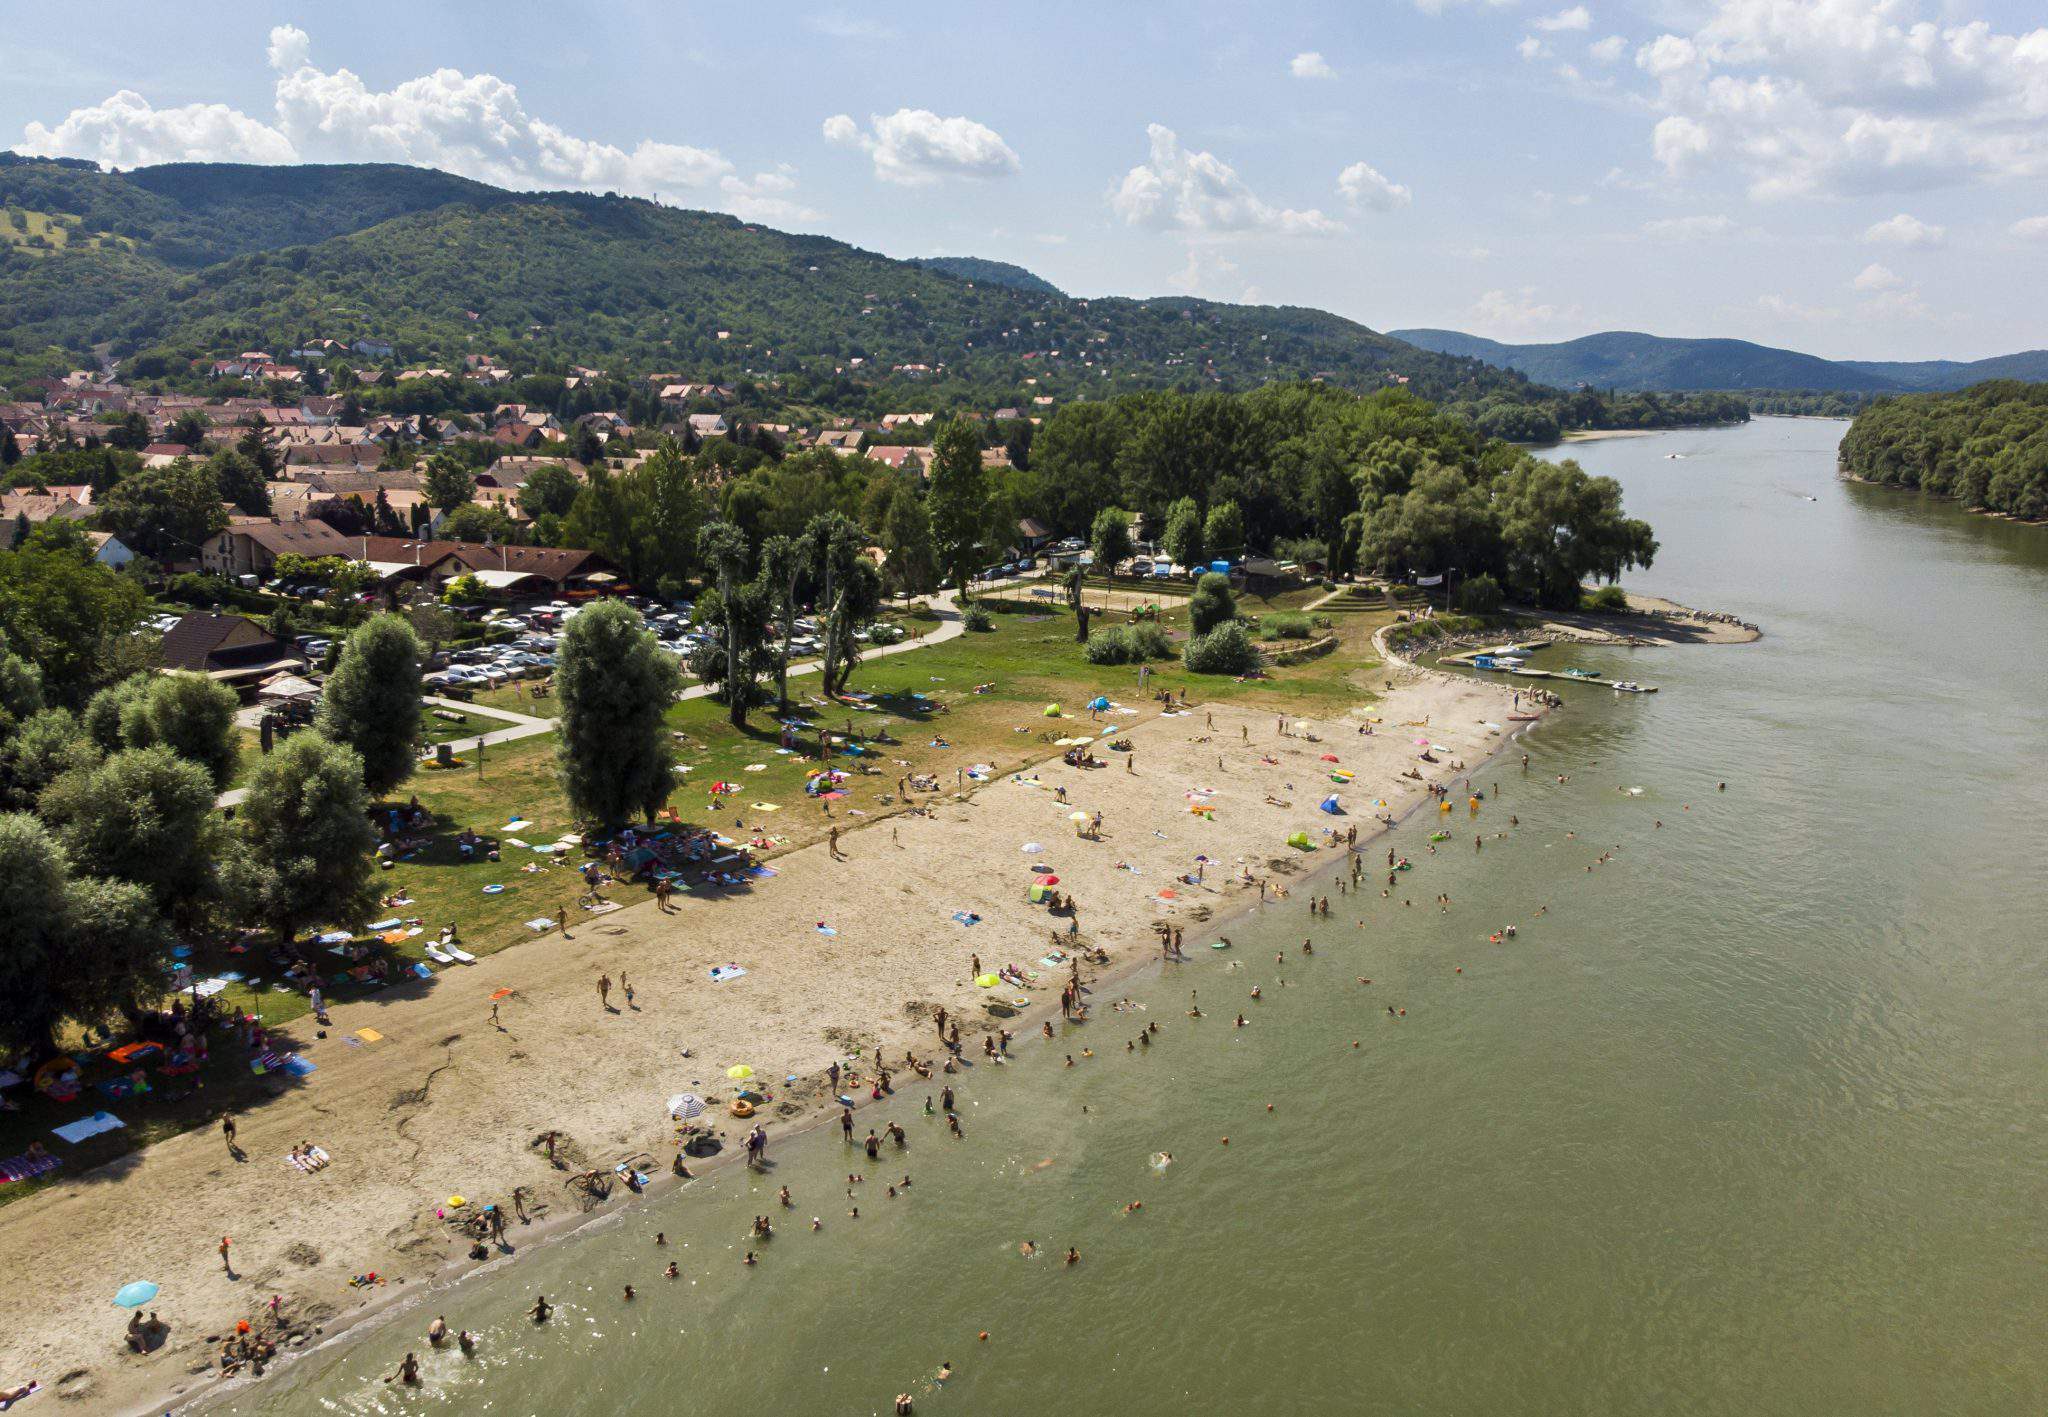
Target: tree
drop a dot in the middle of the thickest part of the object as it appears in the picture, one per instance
(1558, 527)
(1110, 539)
(166, 512)
(957, 502)
(1183, 536)
(448, 482)
(851, 593)
(36, 752)
(615, 686)
(1212, 604)
(69, 619)
(372, 701)
(785, 563)
(68, 948)
(1227, 649)
(476, 522)
(549, 490)
(1440, 522)
(306, 840)
(912, 566)
(1224, 530)
(144, 815)
(241, 481)
(21, 690)
(189, 714)
(188, 428)
(724, 550)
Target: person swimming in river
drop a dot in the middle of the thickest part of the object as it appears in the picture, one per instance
(541, 1309)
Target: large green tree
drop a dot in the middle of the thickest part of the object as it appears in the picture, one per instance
(448, 482)
(958, 502)
(1182, 539)
(145, 815)
(371, 702)
(1110, 539)
(1212, 603)
(912, 566)
(305, 842)
(614, 684)
(1559, 527)
(167, 513)
(71, 620)
(191, 715)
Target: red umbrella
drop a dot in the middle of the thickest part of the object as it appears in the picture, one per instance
(1048, 881)
(1329, 757)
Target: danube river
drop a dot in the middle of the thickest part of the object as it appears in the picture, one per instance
(1747, 1119)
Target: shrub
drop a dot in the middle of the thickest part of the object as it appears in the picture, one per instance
(1211, 604)
(978, 620)
(1128, 644)
(1287, 627)
(1609, 599)
(1227, 649)
(1479, 595)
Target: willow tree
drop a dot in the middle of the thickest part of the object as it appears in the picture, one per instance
(615, 685)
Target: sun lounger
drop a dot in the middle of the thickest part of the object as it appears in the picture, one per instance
(439, 955)
(461, 954)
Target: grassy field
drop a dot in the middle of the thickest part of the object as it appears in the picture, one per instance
(923, 710)
(41, 233)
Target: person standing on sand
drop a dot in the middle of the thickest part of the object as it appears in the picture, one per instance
(626, 988)
(604, 990)
(832, 846)
(663, 889)
(227, 1130)
(562, 921)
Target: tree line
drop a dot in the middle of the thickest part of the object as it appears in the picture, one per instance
(1986, 446)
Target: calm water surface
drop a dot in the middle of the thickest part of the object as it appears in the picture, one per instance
(1748, 1122)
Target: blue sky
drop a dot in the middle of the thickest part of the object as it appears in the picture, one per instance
(1859, 178)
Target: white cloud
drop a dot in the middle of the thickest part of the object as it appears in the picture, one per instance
(1578, 17)
(1678, 140)
(915, 147)
(1608, 50)
(1849, 97)
(1532, 48)
(2033, 228)
(1366, 186)
(767, 196)
(1199, 192)
(1519, 312)
(1785, 309)
(1904, 230)
(290, 48)
(1900, 305)
(1205, 273)
(1689, 228)
(1310, 65)
(125, 131)
(1876, 277)
(474, 125)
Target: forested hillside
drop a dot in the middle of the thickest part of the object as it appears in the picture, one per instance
(175, 266)
(1987, 447)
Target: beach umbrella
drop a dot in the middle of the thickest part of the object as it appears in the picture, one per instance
(1077, 816)
(739, 1071)
(1048, 879)
(1052, 710)
(1033, 847)
(685, 1105)
(1329, 805)
(1329, 757)
(986, 981)
(1098, 702)
(136, 1294)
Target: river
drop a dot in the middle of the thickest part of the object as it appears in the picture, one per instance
(1747, 1121)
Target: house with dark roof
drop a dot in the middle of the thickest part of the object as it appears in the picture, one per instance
(229, 649)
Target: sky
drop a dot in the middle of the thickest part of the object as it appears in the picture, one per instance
(1855, 178)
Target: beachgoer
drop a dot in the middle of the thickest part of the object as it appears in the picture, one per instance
(437, 1331)
(540, 1310)
(408, 1372)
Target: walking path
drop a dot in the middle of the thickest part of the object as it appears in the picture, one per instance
(951, 625)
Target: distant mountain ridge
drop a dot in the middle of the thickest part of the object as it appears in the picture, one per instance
(1629, 360)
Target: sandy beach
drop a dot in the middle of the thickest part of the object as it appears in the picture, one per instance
(853, 953)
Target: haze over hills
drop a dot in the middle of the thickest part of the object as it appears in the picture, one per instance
(1622, 359)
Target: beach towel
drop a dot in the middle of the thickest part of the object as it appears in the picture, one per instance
(722, 972)
(764, 806)
(298, 1067)
(333, 937)
(966, 918)
(422, 971)
(76, 1132)
(538, 924)
(825, 929)
(26, 1168)
(517, 824)
(369, 1035)
(207, 988)
(377, 927)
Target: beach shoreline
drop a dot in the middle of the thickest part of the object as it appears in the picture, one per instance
(376, 1314)
(420, 1115)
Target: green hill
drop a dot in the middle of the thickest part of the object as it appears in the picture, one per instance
(1622, 359)
(974, 268)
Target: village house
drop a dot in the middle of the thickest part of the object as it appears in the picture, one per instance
(250, 546)
(904, 459)
(229, 649)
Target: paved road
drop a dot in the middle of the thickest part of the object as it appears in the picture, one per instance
(520, 725)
